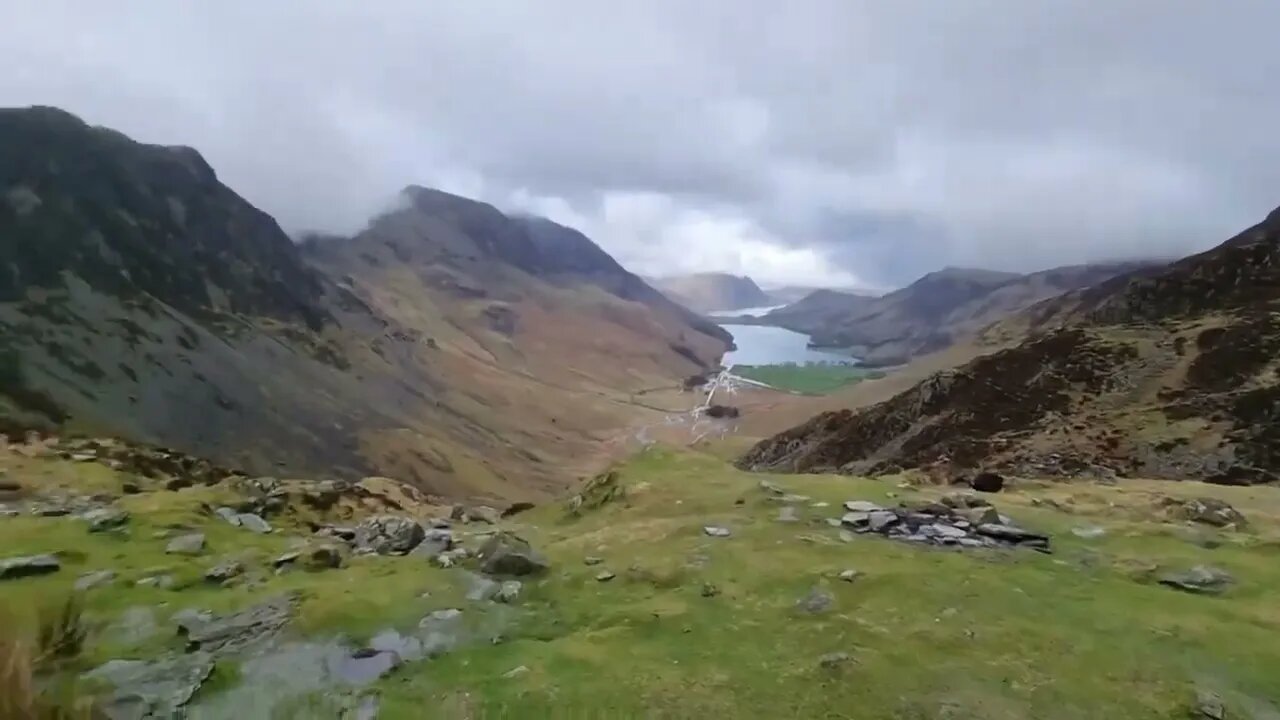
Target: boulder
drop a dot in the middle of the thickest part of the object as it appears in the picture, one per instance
(788, 514)
(963, 500)
(222, 572)
(324, 557)
(254, 523)
(190, 544)
(91, 580)
(605, 576)
(389, 535)
(987, 482)
(861, 506)
(229, 515)
(104, 519)
(506, 553)
(1014, 536)
(156, 689)
(716, 531)
(509, 591)
(239, 630)
(484, 514)
(1201, 580)
(19, 567)
(1211, 511)
(434, 542)
(987, 515)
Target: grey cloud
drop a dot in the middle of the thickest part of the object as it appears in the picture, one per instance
(835, 138)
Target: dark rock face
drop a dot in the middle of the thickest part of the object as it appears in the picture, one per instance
(987, 482)
(137, 222)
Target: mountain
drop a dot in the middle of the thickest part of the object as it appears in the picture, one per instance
(448, 344)
(933, 312)
(789, 294)
(714, 292)
(1169, 372)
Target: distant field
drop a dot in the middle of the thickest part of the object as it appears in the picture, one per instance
(809, 379)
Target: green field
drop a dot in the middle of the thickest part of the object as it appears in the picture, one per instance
(694, 626)
(808, 379)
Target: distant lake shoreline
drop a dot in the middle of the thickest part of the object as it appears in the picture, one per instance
(768, 345)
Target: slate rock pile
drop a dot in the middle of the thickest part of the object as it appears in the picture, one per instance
(961, 520)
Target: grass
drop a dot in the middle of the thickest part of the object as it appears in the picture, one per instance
(1082, 633)
(807, 379)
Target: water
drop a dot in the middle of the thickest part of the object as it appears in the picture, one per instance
(765, 345)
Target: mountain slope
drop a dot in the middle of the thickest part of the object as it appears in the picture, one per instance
(140, 297)
(714, 292)
(933, 312)
(1168, 373)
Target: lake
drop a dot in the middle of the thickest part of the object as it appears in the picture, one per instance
(765, 345)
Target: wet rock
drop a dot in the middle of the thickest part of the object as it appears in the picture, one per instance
(1212, 511)
(190, 544)
(716, 531)
(605, 576)
(222, 572)
(817, 601)
(1201, 579)
(388, 535)
(104, 519)
(157, 689)
(253, 523)
(92, 580)
(506, 553)
(239, 630)
(987, 482)
(28, 566)
(835, 660)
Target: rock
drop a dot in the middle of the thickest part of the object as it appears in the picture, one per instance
(1201, 579)
(981, 515)
(104, 519)
(592, 560)
(1015, 536)
(770, 488)
(508, 554)
(434, 542)
(254, 523)
(815, 602)
(509, 592)
(788, 514)
(129, 487)
(1209, 705)
(515, 672)
(157, 689)
(19, 567)
(943, 530)
(1089, 532)
(987, 482)
(223, 572)
(91, 580)
(286, 559)
(849, 575)
(832, 661)
(846, 536)
(963, 500)
(236, 631)
(1212, 511)
(482, 588)
(452, 557)
(163, 581)
(191, 544)
(605, 576)
(709, 590)
(880, 520)
(861, 506)
(716, 531)
(854, 520)
(484, 514)
(226, 513)
(324, 557)
(190, 618)
(53, 510)
(389, 534)
(8, 512)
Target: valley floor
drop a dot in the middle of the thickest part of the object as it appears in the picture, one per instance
(642, 613)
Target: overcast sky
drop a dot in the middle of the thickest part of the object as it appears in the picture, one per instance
(811, 141)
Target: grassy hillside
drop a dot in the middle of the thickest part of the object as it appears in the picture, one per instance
(697, 626)
(807, 379)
